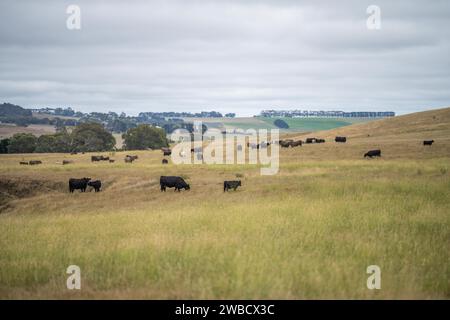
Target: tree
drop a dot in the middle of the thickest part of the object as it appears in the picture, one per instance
(143, 137)
(4, 143)
(22, 143)
(91, 137)
(58, 142)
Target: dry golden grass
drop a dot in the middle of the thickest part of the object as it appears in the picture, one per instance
(308, 232)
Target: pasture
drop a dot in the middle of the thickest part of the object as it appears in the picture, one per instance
(295, 124)
(308, 232)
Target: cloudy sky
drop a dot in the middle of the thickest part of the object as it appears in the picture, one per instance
(230, 56)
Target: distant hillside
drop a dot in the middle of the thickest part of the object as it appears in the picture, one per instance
(421, 125)
(12, 110)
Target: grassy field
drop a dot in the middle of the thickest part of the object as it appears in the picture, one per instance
(8, 130)
(308, 232)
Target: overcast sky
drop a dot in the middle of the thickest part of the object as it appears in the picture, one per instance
(229, 56)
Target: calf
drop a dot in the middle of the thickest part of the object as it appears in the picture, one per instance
(428, 142)
(96, 185)
(227, 185)
(173, 182)
(373, 153)
(80, 184)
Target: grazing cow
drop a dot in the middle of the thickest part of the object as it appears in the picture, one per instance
(23, 162)
(78, 184)
(167, 153)
(428, 142)
(320, 140)
(96, 185)
(227, 185)
(33, 162)
(373, 153)
(310, 140)
(340, 139)
(99, 158)
(165, 161)
(132, 157)
(128, 159)
(173, 182)
(66, 162)
(296, 143)
(111, 160)
(285, 143)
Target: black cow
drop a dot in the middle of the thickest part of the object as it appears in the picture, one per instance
(285, 143)
(66, 162)
(340, 139)
(23, 162)
(173, 182)
(132, 157)
(165, 161)
(99, 158)
(33, 162)
(227, 185)
(428, 142)
(310, 140)
(96, 185)
(320, 140)
(167, 153)
(296, 143)
(78, 184)
(373, 153)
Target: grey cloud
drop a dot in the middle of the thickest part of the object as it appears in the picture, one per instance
(240, 56)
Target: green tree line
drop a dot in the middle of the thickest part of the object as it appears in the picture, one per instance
(86, 137)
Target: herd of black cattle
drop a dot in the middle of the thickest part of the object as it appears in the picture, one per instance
(178, 182)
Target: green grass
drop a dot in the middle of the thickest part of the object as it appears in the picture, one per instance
(308, 232)
(314, 124)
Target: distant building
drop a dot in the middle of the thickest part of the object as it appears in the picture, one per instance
(326, 114)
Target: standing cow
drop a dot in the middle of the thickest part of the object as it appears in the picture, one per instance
(80, 184)
(340, 139)
(227, 185)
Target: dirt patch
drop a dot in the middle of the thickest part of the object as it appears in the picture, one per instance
(12, 189)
